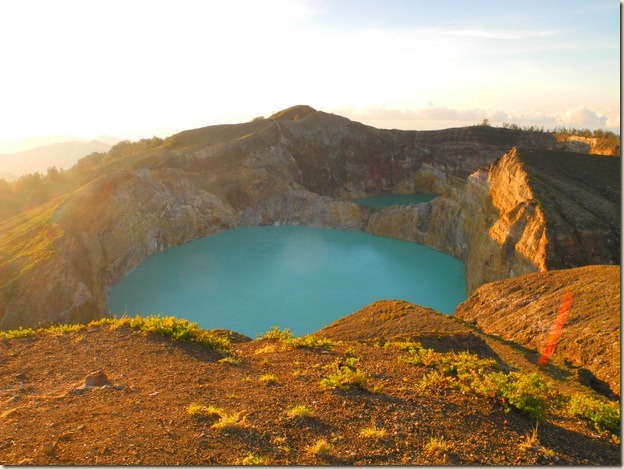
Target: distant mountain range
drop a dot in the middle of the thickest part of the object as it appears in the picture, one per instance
(44, 154)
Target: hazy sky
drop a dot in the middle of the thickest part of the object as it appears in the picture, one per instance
(138, 68)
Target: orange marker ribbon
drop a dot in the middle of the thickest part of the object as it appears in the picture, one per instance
(566, 304)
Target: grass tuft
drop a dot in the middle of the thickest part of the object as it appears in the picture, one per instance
(229, 421)
(203, 411)
(373, 433)
(253, 460)
(437, 445)
(300, 412)
(320, 448)
(268, 379)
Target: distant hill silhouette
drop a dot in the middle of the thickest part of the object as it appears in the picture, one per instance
(39, 159)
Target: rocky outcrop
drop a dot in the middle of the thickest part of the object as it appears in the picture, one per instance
(300, 166)
(531, 211)
(524, 310)
(591, 145)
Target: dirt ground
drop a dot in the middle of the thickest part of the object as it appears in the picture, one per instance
(143, 416)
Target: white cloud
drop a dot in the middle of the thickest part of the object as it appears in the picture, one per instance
(583, 117)
(438, 117)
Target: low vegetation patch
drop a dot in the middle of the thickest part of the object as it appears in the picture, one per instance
(528, 392)
(373, 433)
(227, 421)
(300, 412)
(604, 414)
(176, 329)
(169, 326)
(437, 445)
(288, 340)
(198, 410)
(17, 333)
(268, 379)
(345, 374)
(320, 448)
(253, 460)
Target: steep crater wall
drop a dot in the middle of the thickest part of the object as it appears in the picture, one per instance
(530, 211)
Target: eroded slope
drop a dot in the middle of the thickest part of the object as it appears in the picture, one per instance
(524, 310)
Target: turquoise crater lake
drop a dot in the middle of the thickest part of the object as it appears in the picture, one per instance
(251, 278)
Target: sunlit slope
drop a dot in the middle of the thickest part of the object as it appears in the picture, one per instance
(524, 310)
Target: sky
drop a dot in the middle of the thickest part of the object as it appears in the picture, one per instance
(138, 68)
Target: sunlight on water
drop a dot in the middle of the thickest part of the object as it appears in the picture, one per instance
(251, 278)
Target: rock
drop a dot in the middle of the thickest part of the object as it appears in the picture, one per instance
(48, 448)
(95, 380)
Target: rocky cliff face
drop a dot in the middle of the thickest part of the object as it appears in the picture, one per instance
(592, 145)
(301, 166)
(530, 211)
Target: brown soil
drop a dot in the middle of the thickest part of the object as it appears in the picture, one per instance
(143, 418)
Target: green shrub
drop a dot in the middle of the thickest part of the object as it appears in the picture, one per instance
(604, 414)
(434, 379)
(277, 334)
(421, 356)
(529, 393)
(468, 372)
(345, 375)
(286, 338)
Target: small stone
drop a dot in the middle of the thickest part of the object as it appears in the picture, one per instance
(47, 448)
(97, 379)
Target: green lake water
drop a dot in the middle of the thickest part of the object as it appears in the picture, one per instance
(386, 200)
(251, 278)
